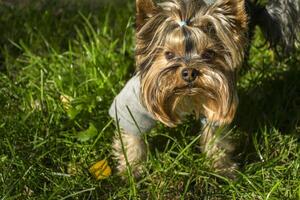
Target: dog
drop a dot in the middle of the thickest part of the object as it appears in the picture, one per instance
(188, 54)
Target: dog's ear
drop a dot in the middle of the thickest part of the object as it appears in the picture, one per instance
(232, 12)
(144, 10)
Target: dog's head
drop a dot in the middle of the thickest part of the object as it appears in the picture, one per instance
(187, 54)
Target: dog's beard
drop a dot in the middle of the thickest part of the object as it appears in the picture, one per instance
(170, 99)
(219, 28)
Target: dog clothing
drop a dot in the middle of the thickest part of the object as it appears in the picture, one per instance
(128, 111)
(131, 114)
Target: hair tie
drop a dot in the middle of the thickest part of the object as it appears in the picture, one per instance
(209, 2)
(182, 23)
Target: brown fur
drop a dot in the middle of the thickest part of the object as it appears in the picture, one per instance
(221, 28)
(129, 149)
(213, 43)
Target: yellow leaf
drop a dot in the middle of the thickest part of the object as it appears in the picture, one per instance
(100, 170)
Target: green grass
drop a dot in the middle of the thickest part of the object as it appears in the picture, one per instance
(85, 51)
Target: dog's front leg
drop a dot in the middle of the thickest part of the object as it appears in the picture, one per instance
(216, 147)
(129, 150)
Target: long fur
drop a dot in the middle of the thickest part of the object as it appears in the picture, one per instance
(133, 147)
(211, 43)
(219, 28)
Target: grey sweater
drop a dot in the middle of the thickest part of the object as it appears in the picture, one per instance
(132, 116)
(128, 111)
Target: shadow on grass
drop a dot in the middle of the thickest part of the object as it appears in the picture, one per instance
(271, 103)
(275, 102)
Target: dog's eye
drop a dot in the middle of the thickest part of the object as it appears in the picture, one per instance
(169, 55)
(208, 54)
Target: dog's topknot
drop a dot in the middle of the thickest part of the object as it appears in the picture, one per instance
(180, 38)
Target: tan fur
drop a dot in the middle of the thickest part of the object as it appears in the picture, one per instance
(145, 9)
(212, 42)
(135, 151)
(216, 86)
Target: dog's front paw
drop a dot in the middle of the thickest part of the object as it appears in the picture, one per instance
(129, 151)
(136, 170)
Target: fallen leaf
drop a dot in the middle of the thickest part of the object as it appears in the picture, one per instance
(100, 170)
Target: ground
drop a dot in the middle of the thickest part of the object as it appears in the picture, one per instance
(62, 63)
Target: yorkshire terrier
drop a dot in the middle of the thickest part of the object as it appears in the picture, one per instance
(188, 53)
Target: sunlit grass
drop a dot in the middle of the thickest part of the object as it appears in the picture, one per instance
(59, 72)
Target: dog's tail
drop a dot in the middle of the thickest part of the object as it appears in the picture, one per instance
(279, 21)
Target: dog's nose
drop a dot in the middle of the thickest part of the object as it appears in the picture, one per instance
(189, 74)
